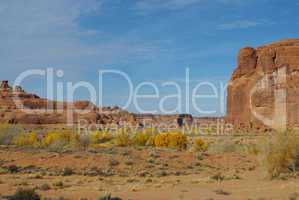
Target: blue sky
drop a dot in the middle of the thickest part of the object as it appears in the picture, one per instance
(150, 40)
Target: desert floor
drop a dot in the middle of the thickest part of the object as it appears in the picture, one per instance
(140, 173)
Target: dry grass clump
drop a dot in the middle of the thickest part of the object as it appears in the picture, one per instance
(280, 154)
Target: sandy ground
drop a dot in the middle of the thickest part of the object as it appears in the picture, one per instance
(141, 173)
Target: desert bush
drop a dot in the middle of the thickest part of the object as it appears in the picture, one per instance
(141, 139)
(146, 137)
(171, 140)
(8, 132)
(200, 145)
(52, 140)
(52, 137)
(280, 154)
(57, 141)
(25, 194)
(122, 138)
(26, 139)
(99, 137)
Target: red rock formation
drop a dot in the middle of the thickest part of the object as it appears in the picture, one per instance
(263, 92)
(19, 107)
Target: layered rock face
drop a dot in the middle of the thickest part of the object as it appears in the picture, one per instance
(263, 93)
(19, 107)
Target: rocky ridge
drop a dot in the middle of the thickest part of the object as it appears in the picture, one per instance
(20, 107)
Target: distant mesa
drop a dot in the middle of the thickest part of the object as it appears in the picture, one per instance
(47, 112)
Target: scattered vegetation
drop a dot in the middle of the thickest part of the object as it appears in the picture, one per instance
(60, 141)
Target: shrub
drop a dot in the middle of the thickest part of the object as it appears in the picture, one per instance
(171, 140)
(57, 141)
(8, 132)
(25, 194)
(146, 137)
(200, 145)
(26, 139)
(123, 138)
(141, 139)
(99, 137)
(54, 137)
(280, 154)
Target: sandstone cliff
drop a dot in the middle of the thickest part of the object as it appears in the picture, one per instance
(263, 92)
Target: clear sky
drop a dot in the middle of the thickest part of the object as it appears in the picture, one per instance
(149, 40)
